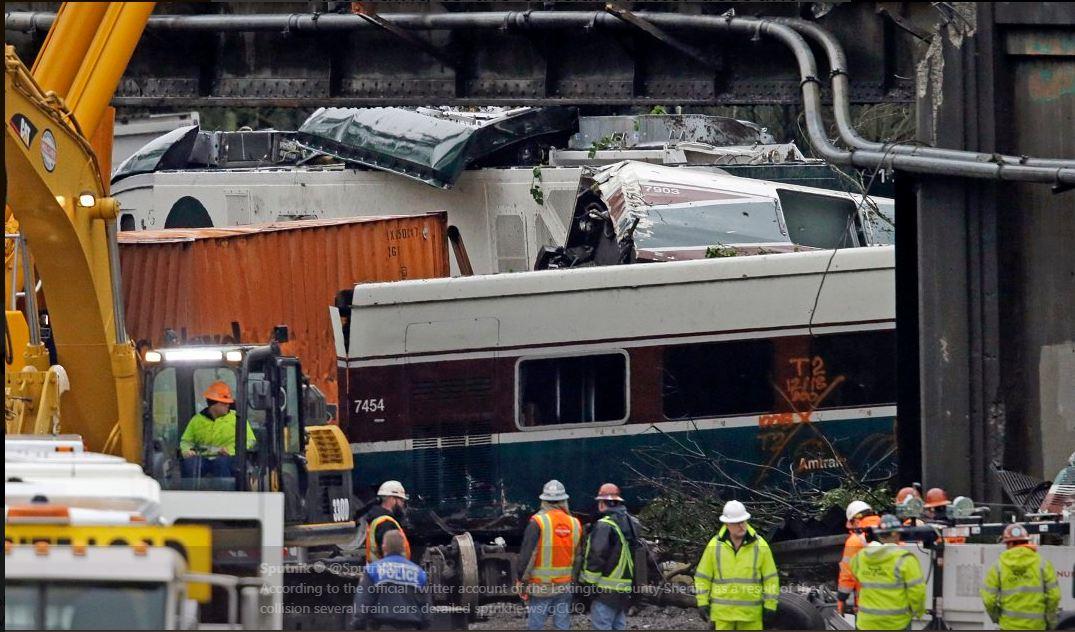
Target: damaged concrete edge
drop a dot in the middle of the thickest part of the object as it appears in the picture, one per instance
(961, 23)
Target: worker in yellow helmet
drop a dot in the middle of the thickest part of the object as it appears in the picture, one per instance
(1020, 591)
(736, 583)
(208, 441)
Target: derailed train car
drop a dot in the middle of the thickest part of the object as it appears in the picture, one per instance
(476, 390)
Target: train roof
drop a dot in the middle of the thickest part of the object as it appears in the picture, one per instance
(623, 276)
(618, 306)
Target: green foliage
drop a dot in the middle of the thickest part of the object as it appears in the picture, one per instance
(658, 109)
(683, 525)
(878, 497)
(536, 191)
(720, 250)
(605, 142)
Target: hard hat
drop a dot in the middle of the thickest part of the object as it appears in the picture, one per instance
(219, 391)
(1015, 533)
(393, 488)
(855, 507)
(905, 493)
(734, 511)
(888, 521)
(936, 497)
(609, 491)
(553, 491)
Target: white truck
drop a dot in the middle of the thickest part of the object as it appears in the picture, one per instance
(86, 546)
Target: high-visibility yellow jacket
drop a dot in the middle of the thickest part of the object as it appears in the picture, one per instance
(204, 432)
(1020, 591)
(736, 585)
(891, 588)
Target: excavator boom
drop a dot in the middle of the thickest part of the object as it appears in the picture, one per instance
(58, 194)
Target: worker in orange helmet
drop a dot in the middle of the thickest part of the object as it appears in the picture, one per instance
(608, 569)
(208, 441)
(1020, 590)
(860, 516)
(935, 499)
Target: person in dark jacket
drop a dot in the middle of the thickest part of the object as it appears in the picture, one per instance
(393, 593)
(608, 565)
(385, 517)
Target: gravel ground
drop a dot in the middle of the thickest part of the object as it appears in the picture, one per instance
(512, 616)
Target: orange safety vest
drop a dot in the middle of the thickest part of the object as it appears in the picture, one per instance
(554, 556)
(371, 555)
(855, 542)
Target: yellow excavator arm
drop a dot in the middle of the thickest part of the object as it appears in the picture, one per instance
(59, 196)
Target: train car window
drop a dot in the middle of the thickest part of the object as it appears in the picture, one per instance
(786, 374)
(572, 390)
(848, 370)
(720, 378)
(821, 221)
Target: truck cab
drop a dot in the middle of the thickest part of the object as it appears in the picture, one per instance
(78, 588)
(294, 451)
(86, 546)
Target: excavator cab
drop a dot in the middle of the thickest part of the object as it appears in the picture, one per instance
(294, 451)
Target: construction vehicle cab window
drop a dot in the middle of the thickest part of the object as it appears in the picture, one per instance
(234, 418)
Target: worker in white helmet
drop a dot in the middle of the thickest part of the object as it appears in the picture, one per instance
(384, 517)
(736, 583)
(548, 550)
(860, 516)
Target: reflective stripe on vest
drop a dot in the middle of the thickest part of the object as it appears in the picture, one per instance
(1009, 610)
(560, 535)
(883, 592)
(372, 550)
(754, 579)
(616, 580)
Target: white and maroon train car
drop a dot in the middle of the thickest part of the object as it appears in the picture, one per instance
(474, 391)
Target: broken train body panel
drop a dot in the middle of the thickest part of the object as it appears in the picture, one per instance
(477, 390)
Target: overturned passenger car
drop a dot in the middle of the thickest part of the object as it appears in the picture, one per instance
(632, 212)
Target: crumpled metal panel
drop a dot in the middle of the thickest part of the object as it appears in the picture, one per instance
(168, 151)
(657, 129)
(421, 145)
(634, 212)
(190, 147)
(685, 208)
(198, 281)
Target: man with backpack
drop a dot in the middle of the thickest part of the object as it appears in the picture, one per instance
(608, 564)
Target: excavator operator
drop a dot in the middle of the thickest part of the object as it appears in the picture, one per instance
(210, 435)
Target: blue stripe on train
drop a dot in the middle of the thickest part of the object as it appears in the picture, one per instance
(485, 480)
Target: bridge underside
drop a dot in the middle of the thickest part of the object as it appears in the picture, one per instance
(374, 62)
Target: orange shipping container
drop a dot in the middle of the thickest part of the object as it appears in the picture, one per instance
(199, 281)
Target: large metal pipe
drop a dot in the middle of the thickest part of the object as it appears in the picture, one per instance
(841, 104)
(891, 156)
